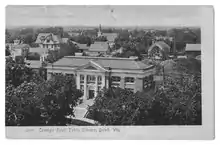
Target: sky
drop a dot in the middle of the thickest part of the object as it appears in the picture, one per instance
(104, 15)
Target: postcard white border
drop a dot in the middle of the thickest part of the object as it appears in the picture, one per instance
(206, 131)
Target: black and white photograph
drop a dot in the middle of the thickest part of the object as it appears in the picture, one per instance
(105, 65)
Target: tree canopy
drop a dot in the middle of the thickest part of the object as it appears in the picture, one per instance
(33, 101)
(175, 102)
(37, 104)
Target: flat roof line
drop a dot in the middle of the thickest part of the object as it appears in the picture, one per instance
(109, 58)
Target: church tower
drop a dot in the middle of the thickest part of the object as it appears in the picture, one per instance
(100, 31)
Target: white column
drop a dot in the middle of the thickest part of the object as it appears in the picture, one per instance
(103, 81)
(78, 81)
(107, 82)
(85, 87)
(122, 82)
(96, 85)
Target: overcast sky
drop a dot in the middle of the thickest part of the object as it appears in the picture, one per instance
(105, 15)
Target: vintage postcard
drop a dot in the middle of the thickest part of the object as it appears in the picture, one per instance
(109, 72)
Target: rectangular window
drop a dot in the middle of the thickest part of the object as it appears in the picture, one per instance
(57, 74)
(82, 88)
(148, 82)
(99, 80)
(91, 79)
(81, 78)
(129, 80)
(116, 79)
(69, 75)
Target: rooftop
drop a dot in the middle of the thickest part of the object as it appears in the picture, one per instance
(98, 46)
(38, 50)
(43, 36)
(193, 47)
(82, 46)
(34, 63)
(105, 62)
(20, 46)
(110, 36)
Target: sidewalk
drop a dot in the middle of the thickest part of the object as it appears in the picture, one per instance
(81, 109)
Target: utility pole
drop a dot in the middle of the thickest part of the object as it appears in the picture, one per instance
(174, 45)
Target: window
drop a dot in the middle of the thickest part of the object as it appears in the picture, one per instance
(116, 79)
(99, 80)
(81, 78)
(82, 88)
(57, 74)
(148, 82)
(69, 75)
(129, 80)
(90, 79)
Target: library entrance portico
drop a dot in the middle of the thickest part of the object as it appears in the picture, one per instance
(90, 79)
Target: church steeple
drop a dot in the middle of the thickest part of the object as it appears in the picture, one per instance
(100, 31)
(100, 28)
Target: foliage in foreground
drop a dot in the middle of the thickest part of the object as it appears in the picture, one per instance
(38, 104)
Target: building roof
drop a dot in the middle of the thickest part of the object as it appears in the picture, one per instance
(43, 36)
(20, 46)
(38, 50)
(164, 48)
(162, 45)
(110, 36)
(34, 63)
(99, 46)
(82, 46)
(193, 47)
(105, 62)
(73, 33)
(65, 40)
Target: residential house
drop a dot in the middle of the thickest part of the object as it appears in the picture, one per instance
(42, 52)
(98, 48)
(83, 47)
(110, 38)
(19, 50)
(49, 41)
